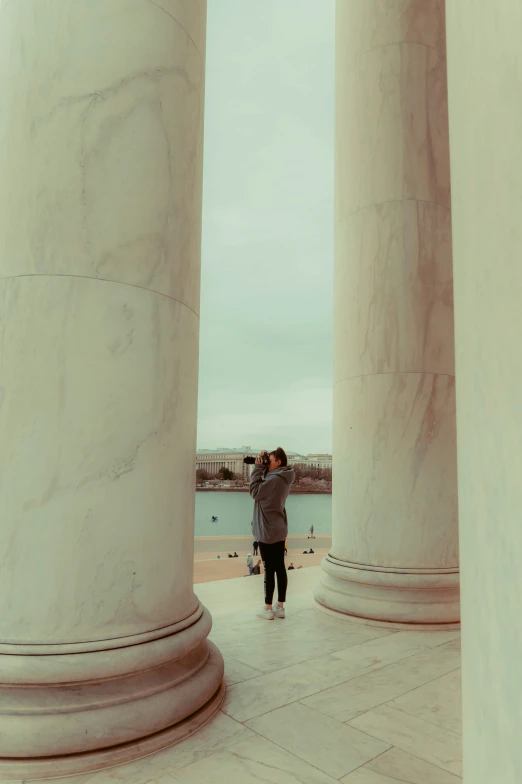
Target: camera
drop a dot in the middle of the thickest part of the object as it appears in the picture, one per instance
(251, 459)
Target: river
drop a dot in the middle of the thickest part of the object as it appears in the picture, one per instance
(234, 513)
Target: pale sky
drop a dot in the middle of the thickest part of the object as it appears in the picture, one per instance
(267, 259)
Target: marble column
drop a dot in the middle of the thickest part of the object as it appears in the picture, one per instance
(103, 644)
(394, 556)
(485, 112)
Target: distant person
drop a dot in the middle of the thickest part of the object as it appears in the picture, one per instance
(213, 519)
(270, 484)
(255, 545)
(311, 532)
(286, 547)
(291, 567)
(218, 557)
(305, 552)
(250, 563)
(310, 551)
(257, 568)
(300, 567)
(230, 555)
(235, 555)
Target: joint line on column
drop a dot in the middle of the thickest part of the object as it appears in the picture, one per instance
(397, 373)
(153, 2)
(440, 51)
(391, 201)
(102, 280)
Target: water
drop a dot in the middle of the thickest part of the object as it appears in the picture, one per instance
(234, 511)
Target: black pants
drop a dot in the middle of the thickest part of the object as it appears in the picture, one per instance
(273, 556)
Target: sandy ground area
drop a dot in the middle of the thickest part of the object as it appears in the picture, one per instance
(208, 568)
(227, 544)
(206, 571)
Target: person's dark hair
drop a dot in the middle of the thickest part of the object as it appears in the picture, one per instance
(280, 454)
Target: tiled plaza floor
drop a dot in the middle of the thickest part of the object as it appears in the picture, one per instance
(316, 700)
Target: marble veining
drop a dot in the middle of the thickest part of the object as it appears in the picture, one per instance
(376, 23)
(393, 302)
(89, 444)
(103, 642)
(415, 736)
(115, 141)
(395, 475)
(395, 450)
(485, 118)
(391, 127)
(337, 748)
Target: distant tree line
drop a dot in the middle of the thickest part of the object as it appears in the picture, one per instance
(304, 474)
(223, 473)
(311, 472)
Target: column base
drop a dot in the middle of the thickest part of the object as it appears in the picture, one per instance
(418, 599)
(67, 713)
(72, 764)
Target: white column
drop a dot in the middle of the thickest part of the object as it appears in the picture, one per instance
(484, 68)
(394, 555)
(102, 640)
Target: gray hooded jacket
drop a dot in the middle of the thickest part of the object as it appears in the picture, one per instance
(270, 491)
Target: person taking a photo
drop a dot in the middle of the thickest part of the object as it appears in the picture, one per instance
(270, 484)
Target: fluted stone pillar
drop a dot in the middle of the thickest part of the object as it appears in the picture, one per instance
(485, 112)
(103, 644)
(394, 555)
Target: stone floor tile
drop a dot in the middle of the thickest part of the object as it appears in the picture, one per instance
(366, 776)
(291, 644)
(420, 738)
(325, 743)
(275, 689)
(256, 761)
(439, 702)
(358, 695)
(237, 672)
(399, 765)
(396, 646)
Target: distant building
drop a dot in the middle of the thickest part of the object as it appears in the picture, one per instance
(212, 460)
(320, 460)
(297, 460)
(311, 461)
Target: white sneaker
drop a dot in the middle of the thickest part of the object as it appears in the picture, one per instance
(279, 612)
(268, 615)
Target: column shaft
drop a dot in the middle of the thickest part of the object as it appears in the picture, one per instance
(394, 551)
(103, 649)
(484, 67)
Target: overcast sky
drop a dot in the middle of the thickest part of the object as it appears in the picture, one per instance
(267, 259)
